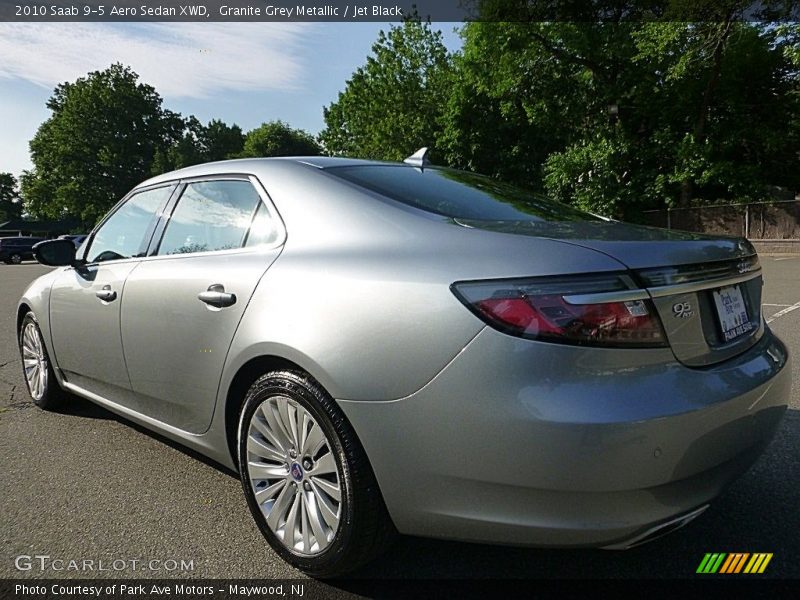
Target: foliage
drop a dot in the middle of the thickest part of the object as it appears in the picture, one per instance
(788, 38)
(276, 138)
(100, 141)
(221, 141)
(390, 106)
(619, 117)
(592, 174)
(199, 144)
(10, 206)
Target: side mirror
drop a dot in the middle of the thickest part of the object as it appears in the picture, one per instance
(55, 253)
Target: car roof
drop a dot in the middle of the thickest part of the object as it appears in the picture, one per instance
(248, 165)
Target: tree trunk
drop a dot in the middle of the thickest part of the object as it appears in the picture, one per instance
(699, 130)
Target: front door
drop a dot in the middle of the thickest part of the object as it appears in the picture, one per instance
(85, 301)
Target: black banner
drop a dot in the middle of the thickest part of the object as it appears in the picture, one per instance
(705, 587)
(395, 10)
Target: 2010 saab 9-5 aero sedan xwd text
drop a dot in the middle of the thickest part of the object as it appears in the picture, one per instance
(382, 347)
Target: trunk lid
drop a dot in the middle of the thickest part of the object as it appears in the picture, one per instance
(705, 288)
(636, 246)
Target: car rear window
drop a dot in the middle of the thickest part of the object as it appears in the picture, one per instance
(458, 194)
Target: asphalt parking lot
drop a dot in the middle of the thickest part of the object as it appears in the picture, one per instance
(87, 484)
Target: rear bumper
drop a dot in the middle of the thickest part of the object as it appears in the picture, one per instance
(520, 442)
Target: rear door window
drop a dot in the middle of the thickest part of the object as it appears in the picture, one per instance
(211, 216)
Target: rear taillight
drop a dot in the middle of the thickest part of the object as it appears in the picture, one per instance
(592, 310)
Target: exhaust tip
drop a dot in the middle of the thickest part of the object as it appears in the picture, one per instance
(658, 531)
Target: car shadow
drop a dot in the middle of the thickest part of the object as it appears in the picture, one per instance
(80, 407)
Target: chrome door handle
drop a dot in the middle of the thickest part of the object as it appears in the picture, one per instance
(216, 296)
(106, 294)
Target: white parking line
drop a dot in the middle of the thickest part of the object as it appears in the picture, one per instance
(787, 258)
(785, 311)
(783, 305)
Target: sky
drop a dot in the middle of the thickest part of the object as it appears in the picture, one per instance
(243, 73)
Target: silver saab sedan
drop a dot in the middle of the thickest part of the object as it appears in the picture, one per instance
(395, 347)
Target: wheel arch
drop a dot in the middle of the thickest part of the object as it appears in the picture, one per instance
(36, 299)
(22, 310)
(241, 382)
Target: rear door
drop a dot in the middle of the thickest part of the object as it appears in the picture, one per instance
(85, 301)
(183, 304)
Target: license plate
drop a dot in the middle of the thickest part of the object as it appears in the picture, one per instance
(732, 312)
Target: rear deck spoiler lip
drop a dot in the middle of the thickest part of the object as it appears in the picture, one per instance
(660, 291)
(697, 286)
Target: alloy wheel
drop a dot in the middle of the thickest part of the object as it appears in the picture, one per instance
(34, 360)
(294, 475)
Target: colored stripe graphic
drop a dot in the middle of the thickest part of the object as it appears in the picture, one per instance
(711, 562)
(717, 564)
(734, 562)
(703, 564)
(758, 563)
(741, 562)
(732, 558)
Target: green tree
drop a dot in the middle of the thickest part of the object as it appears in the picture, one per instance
(10, 205)
(186, 150)
(618, 117)
(101, 139)
(276, 138)
(221, 141)
(200, 143)
(392, 105)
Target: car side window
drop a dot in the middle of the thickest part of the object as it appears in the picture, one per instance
(264, 229)
(123, 234)
(211, 215)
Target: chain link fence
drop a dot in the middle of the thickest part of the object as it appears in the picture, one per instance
(756, 221)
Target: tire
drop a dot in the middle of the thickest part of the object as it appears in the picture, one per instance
(305, 481)
(38, 373)
(15, 259)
